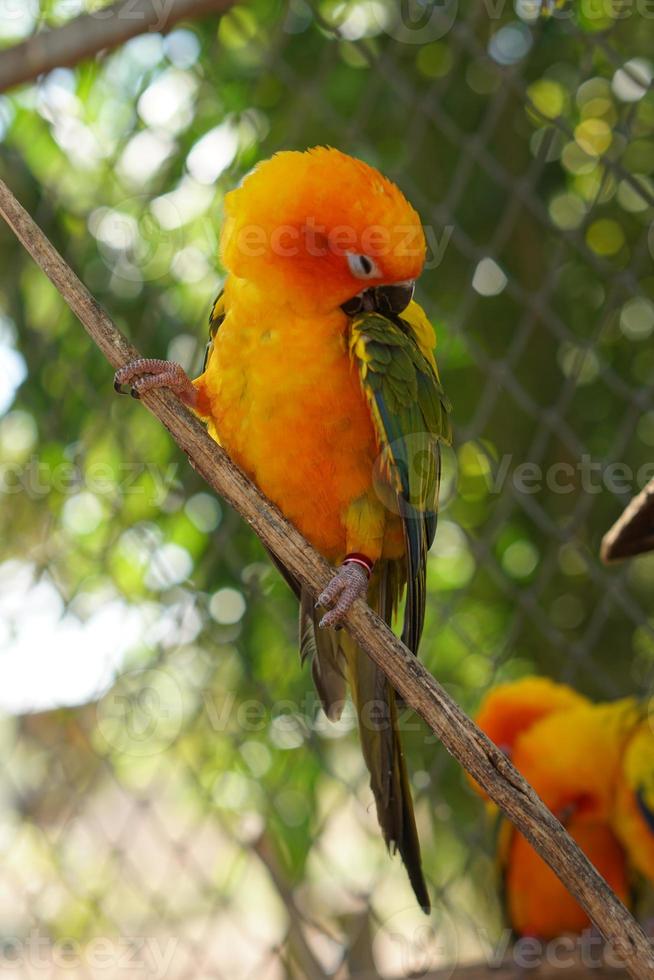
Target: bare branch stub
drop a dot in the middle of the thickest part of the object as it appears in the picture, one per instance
(460, 736)
(633, 532)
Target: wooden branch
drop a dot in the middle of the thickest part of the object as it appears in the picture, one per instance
(457, 732)
(90, 33)
(633, 532)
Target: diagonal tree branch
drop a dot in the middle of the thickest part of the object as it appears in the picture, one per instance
(420, 690)
(101, 30)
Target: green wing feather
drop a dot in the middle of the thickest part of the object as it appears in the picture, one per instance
(411, 415)
(216, 317)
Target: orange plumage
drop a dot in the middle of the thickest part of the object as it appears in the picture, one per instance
(296, 423)
(280, 389)
(572, 758)
(537, 903)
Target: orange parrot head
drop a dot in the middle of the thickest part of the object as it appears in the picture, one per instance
(312, 230)
(512, 708)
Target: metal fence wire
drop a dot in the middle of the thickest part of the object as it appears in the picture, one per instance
(174, 803)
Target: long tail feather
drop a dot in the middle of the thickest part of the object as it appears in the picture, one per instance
(335, 658)
(374, 700)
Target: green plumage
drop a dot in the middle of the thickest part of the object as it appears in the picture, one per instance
(411, 415)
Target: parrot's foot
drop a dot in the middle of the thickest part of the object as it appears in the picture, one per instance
(148, 373)
(349, 584)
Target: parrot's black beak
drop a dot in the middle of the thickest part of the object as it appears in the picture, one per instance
(394, 299)
(388, 300)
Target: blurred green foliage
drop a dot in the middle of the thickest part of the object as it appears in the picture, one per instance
(527, 146)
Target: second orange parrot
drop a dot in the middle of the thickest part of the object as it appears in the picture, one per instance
(592, 766)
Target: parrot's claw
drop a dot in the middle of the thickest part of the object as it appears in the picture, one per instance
(349, 584)
(148, 373)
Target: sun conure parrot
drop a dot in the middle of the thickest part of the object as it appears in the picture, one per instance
(321, 384)
(571, 752)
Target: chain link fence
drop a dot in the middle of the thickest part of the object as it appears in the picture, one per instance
(174, 803)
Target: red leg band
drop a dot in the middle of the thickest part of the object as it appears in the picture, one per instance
(356, 558)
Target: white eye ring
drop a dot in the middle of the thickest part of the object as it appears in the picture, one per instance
(362, 266)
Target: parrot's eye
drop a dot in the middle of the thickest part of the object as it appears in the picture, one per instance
(362, 266)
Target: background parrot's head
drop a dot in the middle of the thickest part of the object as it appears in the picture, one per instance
(510, 709)
(314, 229)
